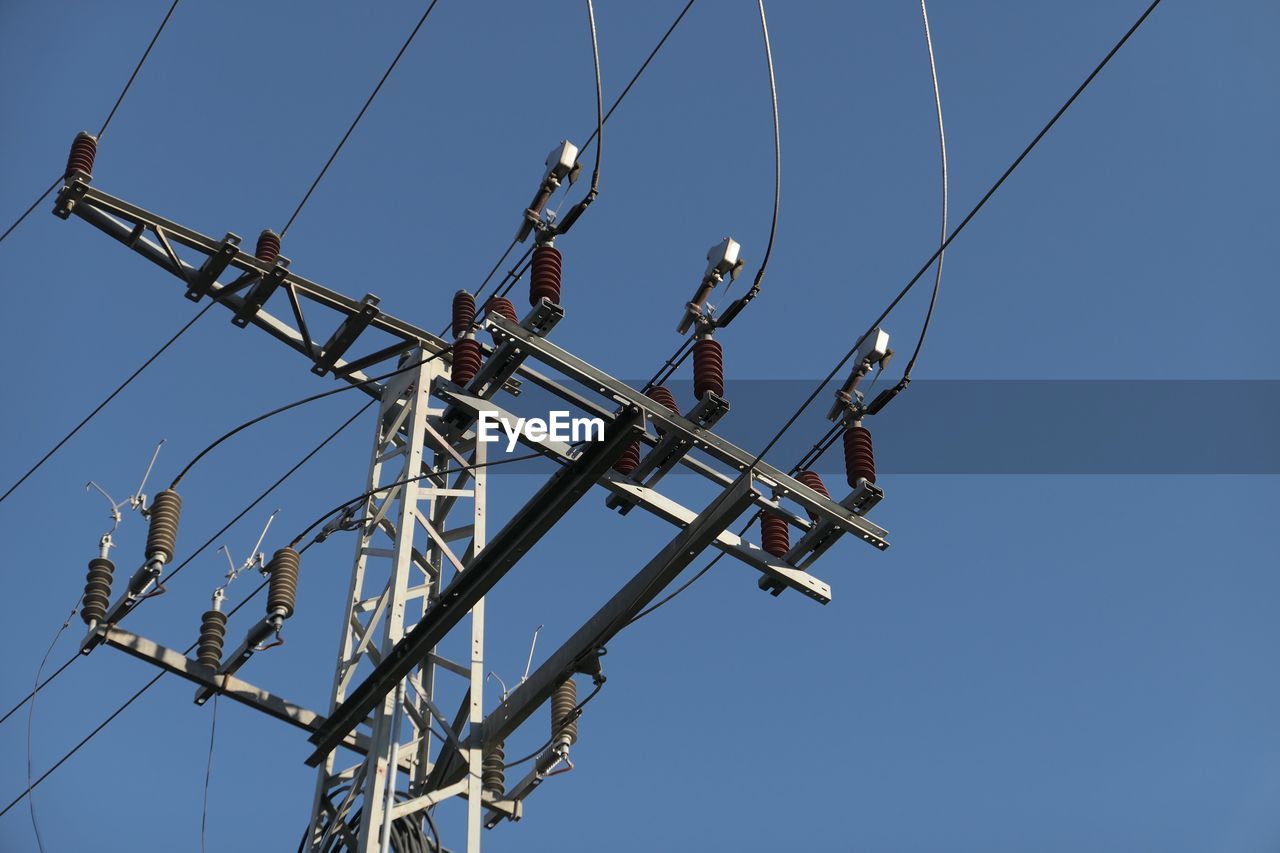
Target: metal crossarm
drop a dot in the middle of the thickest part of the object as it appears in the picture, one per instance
(712, 444)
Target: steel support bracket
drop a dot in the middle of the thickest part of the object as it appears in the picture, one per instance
(345, 335)
(213, 267)
(69, 196)
(260, 293)
(173, 661)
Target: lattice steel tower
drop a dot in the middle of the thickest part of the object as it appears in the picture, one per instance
(425, 558)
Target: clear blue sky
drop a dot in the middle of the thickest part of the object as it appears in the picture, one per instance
(1050, 663)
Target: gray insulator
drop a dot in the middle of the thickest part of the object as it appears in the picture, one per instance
(564, 706)
(493, 776)
(97, 590)
(282, 590)
(213, 630)
(162, 535)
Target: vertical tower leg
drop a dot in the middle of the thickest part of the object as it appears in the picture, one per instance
(476, 712)
(401, 558)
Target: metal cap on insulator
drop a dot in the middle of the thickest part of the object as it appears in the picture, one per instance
(282, 583)
(268, 247)
(464, 313)
(162, 534)
(97, 590)
(84, 150)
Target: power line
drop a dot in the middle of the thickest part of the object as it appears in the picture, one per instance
(349, 504)
(83, 741)
(295, 404)
(823, 444)
(241, 514)
(601, 121)
(39, 687)
(119, 99)
(936, 256)
(515, 242)
(286, 475)
(134, 76)
(359, 116)
(640, 71)
(968, 218)
(27, 212)
(117, 712)
(208, 771)
(31, 787)
(672, 364)
(103, 404)
(31, 803)
(599, 134)
(777, 155)
(942, 145)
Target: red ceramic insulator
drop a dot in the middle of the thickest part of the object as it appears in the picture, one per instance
(545, 273)
(629, 460)
(83, 151)
(464, 313)
(708, 368)
(813, 481)
(466, 361)
(859, 457)
(268, 248)
(775, 535)
(503, 307)
(662, 395)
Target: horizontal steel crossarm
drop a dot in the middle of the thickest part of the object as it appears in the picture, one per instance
(725, 451)
(655, 502)
(525, 528)
(262, 319)
(470, 402)
(248, 263)
(638, 592)
(101, 210)
(234, 688)
(727, 541)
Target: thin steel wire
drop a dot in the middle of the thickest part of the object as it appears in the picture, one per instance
(103, 404)
(319, 177)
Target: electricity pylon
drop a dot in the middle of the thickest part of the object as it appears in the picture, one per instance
(424, 561)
